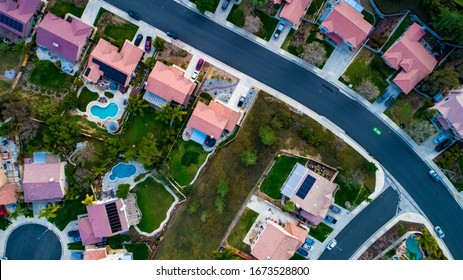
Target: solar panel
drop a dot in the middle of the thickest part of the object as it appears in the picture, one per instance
(113, 217)
(305, 187)
(111, 73)
(11, 22)
(87, 72)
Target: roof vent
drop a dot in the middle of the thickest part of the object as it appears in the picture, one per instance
(55, 45)
(51, 180)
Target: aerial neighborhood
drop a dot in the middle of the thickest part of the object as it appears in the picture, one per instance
(252, 129)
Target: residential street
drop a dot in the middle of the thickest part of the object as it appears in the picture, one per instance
(323, 98)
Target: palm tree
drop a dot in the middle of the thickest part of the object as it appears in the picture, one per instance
(20, 211)
(50, 211)
(429, 244)
(88, 200)
(136, 105)
(225, 254)
(168, 114)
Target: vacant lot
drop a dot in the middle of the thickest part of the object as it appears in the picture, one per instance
(62, 7)
(235, 239)
(171, 54)
(113, 28)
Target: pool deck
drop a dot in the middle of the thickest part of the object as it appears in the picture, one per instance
(108, 184)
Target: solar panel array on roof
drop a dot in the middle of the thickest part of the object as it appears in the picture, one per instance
(305, 187)
(111, 73)
(87, 72)
(11, 22)
(113, 217)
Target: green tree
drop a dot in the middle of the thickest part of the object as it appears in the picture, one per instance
(114, 146)
(150, 62)
(49, 211)
(159, 44)
(448, 23)
(289, 206)
(193, 207)
(123, 191)
(267, 135)
(169, 114)
(225, 254)
(249, 157)
(69, 101)
(441, 79)
(205, 5)
(148, 153)
(137, 105)
(310, 136)
(222, 189)
(219, 204)
(203, 217)
(20, 210)
(62, 134)
(20, 47)
(259, 3)
(89, 200)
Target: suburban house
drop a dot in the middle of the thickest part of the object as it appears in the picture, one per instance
(106, 254)
(293, 10)
(311, 193)
(16, 16)
(7, 190)
(44, 178)
(103, 219)
(409, 55)
(450, 113)
(166, 84)
(66, 38)
(209, 123)
(106, 61)
(274, 242)
(344, 23)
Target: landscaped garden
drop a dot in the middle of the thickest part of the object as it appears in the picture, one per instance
(321, 232)
(138, 126)
(113, 28)
(154, 201)
(68, 212)
(244, 224)
(62, 7)
(42, 73)
(86, 96)
(278, 174)
(185, 160)
(140, 251)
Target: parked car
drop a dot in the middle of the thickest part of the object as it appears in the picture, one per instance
(138, 40)
(225, 4)
(439, 231)
(241, 101)
(439, 139)
(383, 97)
(444, 145)
(74, 233)
(335, 209)
(331, 245)
(331, 219)
(3, 211)
(307, 247)
(172, 35)
(134, 15)
(302, 252)
(389, 101)
(309, 241)
(78, 255)
(280, 28)
(434, 175)
(199, 65)
(148, 42)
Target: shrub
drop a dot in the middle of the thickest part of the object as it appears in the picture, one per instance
(189, 158)
(193, 207)
(267, 135)
(203, 217)
(123, 191)
(289, 206)
(159, 44)
(249, 157)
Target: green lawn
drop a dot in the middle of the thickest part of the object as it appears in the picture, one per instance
(269, 24)
(238, 21)
(139, 126)
(407, 108)
(213, 8)
(46, 74)
(9, 61)
(115, 33)
(61, 8)
(368, 17)
(321, 232)
(68, 212)
(314, 7)
(406, 22)
(278, 175)
(86, 96)
(240, 230)
(140, 251)
(76, 246)
(153, 200)
(181, 170)
(109, 94)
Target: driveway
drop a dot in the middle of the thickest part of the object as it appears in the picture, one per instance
(339, 60)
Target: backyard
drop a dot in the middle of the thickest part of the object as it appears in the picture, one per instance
(113, 28)
(62, 7)
(86, 96)
(68, 212)
(42, 72)
(185, 160)
(321, 232)
(244, 224)
(10, 60)
(406, 22)
(139, 126)
(278, 174)
(140, 251)
(154, 201)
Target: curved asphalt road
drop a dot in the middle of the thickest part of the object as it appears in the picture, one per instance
(318, 95)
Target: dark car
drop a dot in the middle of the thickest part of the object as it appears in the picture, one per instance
(225, 4)
(138, 40)
(302, 252)
(331, 219)
(383, 97)
(335, 209)
(390, 101)
(74, 233)
(199, 64)
(241, 101)
(172, 35)
(444, 145)
(280, 28)
(149, 39)
(134, 15)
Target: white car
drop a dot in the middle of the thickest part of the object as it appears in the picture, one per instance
(439, 231)
(195, 75)
(332, 244)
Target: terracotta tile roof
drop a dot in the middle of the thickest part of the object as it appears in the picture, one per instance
(86, 232)
(407, 53)
(21, 10)
(45, 181)
(348, 23)
(451, 108)
(276, 243)
(8, 194)
(295, 10)
(3, 177)
(213, 119)
(99, 219)
(168, 82)
(95, 254)
(63, 37)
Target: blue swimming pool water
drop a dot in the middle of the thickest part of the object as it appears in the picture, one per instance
(414, 247)
(122, 170)
(109, 111)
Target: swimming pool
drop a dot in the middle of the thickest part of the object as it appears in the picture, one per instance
(103, 113)
(122, 170)
(413, 248)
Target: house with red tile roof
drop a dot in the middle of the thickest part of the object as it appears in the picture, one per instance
(8, 193)
(106, 253)
(345, 24)
(450, 113)
(103, 219)
(311, 193)
(411, 57)
(212, 120)
(293, 10)
(166, 84)
(274, 242)
(108, 62)
(66, 38)
(43, 180)
(16, 16)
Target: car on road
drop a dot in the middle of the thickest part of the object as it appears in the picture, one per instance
(434, 175)
(439, 139)
(389, 101)
(444, 145)
(134, 15)
(383, 96)
(301, 251)
(148, 42)
(138, 40)
(335, 209)
(172, 35)
(225, 4)
(331, 245)
(330, 219)
(309, 241)
(377, 131)
(280, 28)
(439, 231)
